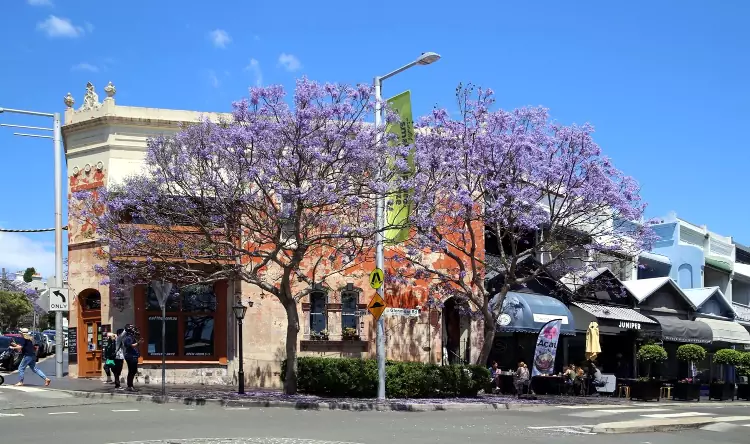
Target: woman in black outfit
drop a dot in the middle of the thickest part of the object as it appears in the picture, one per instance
(130, 343)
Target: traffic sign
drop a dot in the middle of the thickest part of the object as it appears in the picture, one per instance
(376, 278)
(376, 306)
(58, 299)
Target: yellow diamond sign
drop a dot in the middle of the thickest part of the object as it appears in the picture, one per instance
(376, 306)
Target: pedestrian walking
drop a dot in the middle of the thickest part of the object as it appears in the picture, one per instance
(119, 357)
(110, 346)
(28, 350)
(131, 342)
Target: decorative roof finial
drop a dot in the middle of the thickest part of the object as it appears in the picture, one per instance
(110, 90)
(69, 101)
(91, 99)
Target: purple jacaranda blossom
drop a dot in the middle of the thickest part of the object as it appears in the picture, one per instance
(278, 196)
(494, 189)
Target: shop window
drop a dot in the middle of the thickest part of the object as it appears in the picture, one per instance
(318, 315)
(349, 317)
(192, 314)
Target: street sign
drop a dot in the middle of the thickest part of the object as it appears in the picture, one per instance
(58, 299)
(376, 278)
(403, 312)
(376, 306)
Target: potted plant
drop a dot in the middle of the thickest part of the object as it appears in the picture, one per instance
(689, 388)
(721, 389)
(743, 390)
(648, 388)
(319, 335)
(350, 334)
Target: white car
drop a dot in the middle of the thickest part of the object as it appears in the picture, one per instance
(49, 342)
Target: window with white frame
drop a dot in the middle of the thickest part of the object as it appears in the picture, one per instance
(318, 312)
(349, 316)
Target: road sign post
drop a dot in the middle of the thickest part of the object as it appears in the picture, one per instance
(162, 290)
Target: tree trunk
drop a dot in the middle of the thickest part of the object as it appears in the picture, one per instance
(489, 334)
(292, 333)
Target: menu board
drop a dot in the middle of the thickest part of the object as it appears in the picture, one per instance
(72, 344)
(103, 330)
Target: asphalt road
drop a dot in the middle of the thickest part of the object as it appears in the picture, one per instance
(33, 414)
(45, 416)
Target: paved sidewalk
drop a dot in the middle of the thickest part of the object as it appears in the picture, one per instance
(228, 396)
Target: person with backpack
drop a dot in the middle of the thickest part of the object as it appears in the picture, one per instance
(109, 355)
(131, 342)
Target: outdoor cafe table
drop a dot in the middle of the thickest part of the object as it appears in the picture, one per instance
(548, 385)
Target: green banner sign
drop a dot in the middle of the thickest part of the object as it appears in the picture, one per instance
(399, 203)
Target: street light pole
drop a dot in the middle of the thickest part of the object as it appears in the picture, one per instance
(425, 59)
(59, 343)
(239, 313)
(56, 136)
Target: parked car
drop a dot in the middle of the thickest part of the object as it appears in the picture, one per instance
(53, 333)
(49, 347)
(51, 338)
(9, 359)
(17, 338)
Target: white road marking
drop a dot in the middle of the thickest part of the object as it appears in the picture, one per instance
(25, 388)
(636, 410)
(610, 412)
(126, 410)
(719, 427)
(237, 408)
(62, 413)
(3, 415)
(676, 415)
(181, 410)
(576, 430)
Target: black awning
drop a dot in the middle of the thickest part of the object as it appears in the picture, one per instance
(679, 330)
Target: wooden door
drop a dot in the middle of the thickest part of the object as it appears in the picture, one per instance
(89, 353)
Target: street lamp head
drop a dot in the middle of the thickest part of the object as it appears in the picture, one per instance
(239, 311)
(1, 110)
(428, 57)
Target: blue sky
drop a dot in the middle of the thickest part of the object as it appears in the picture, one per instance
(664, 83)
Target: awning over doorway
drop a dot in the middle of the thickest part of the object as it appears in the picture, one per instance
(529, 312)
(727, 331)
(620, 317)
(680, 330)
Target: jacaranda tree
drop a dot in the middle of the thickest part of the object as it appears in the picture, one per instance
(518, 185)
(277, 196)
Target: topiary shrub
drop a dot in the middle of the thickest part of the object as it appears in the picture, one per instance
(691, 353)
(651, 354)
(727, 356)
(358, 378)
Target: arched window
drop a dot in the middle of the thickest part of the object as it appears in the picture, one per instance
(685, 276)
(92, 301)
(318, 314)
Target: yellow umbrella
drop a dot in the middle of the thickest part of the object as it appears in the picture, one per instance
(592, 341)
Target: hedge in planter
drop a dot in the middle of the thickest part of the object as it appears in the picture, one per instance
(743, 390)
(723, 390)
(689, 389)
(358, 378)
(647, 388)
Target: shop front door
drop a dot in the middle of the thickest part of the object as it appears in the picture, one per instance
(89, 354)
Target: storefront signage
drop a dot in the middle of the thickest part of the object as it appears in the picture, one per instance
(546, 318)
(72, 344)
(630, 325)
(546, 348)
(158, 318)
